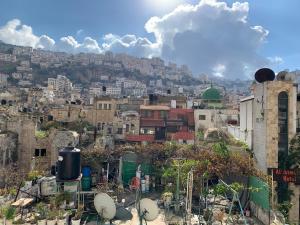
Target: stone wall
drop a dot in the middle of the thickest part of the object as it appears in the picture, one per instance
(265, 118)
(294, 211)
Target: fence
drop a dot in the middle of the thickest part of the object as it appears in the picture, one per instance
(262, 196)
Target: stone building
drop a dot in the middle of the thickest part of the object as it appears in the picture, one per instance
(103, 111)
(274, 120)
(67, 112)
(126, 123)
(270, 118)
(214, 118)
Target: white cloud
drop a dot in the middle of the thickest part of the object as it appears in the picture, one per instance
(211, 37)
(79, 32)
(276, 60)
(209, 34)
(130, 44)
(46, 42)
(13, 32)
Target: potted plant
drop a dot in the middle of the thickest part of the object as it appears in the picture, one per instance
(51, 217)
(77, 217)
(19, 221)
(62, 199)
(167, 198)
(9, 214)
(42, 212)
(61, 217)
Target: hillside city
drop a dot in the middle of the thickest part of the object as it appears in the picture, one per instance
(116, 139)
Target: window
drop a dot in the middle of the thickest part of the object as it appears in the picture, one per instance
(202, 117)
(127, 127)
(163, 114)
(120, 131)
(100, 106)
(39, 152)
(105, 106)
(43, 152)
(109, 106)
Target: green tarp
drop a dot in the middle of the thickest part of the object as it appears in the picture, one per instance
(262, 196)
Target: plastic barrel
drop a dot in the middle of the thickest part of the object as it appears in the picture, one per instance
(86, 171)
(147, 186)
(68, 164)
(86, 183)
(143, 184)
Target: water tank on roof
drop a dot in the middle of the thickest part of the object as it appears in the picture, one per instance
(68, 164)
(173, 104)
(264, 74)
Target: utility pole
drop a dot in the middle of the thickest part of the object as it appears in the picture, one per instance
(178, 164)
(189, 196)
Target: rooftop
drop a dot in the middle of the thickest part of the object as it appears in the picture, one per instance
(154, 107)
(211, 94)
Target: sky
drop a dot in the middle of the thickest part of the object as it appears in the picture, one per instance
(224, 38)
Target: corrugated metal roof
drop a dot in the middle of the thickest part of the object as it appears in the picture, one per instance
(140, 138)
(183, 136)
(247, 98)
(154, 107)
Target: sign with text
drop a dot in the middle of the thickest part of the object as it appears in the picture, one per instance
(288, 176)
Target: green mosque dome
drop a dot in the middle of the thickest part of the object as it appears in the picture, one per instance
(211, 94)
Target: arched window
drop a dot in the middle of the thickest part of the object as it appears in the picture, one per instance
(283, 100)
(283, 142)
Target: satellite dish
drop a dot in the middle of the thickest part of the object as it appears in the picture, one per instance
(148, 209)
(105, 206)
(264, 74)
(281, 75)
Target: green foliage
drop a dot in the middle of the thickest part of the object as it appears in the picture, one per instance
(61, 214)
(171, 172)
(284, 208)
(42, 211)
(33, 175)
(200, 135)
(13, 191)
(170, 148)
(78, 213)
(219, 189)
(293, 159)
(61, 197)
(237, 186)
(221, 149)
(19, 221)
(52, 215)
(50, 124)
(79, 126)
(9, 212)
(40, 134)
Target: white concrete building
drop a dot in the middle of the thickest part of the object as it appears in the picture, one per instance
(113, 91)
(3, 79)
(214, 118)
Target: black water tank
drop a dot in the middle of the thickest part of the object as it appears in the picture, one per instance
(68, 164)
(264, 74)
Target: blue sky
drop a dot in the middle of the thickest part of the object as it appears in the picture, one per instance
(279, 48)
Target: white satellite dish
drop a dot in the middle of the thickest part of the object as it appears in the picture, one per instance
(147, 209)
(105, 206)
